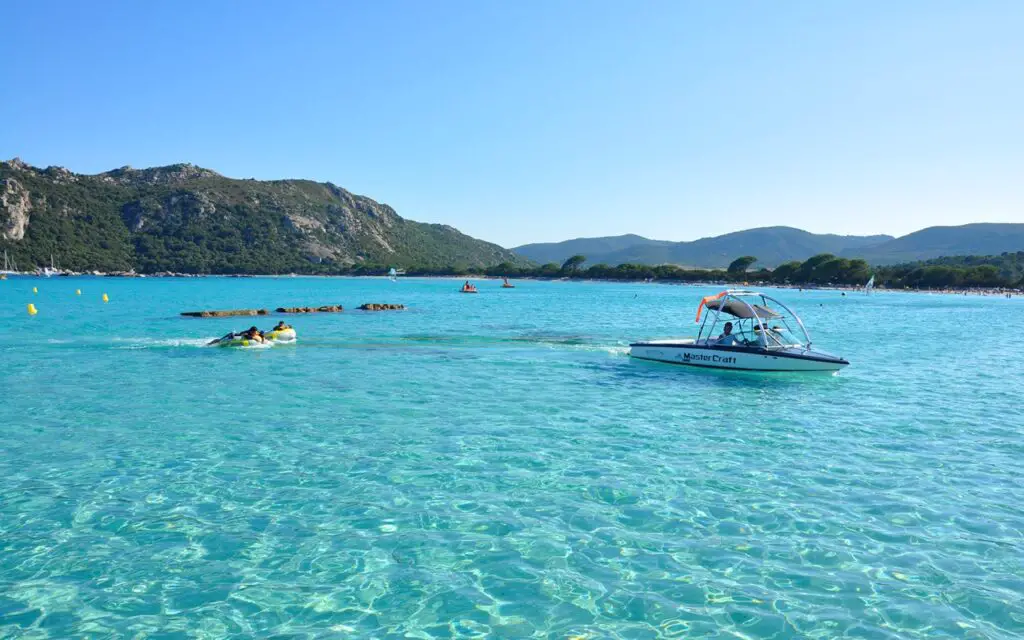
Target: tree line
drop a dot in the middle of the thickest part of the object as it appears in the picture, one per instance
(1005, 271)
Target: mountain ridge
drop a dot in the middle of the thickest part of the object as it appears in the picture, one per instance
(771, 245)
(776, 245)
(976, 238)
(186, 218)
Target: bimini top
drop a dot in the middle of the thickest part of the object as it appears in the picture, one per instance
(729, 302)
(739, 309)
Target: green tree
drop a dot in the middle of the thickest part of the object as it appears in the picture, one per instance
(739, 266)
(786, 272)
(548, 270)
(573, 264)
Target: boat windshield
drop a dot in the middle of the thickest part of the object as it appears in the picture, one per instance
(779, 335)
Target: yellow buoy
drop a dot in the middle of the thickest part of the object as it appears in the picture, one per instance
(78, 292)
(35, 289)
(245, 343)
(32, 309)
(106, 298)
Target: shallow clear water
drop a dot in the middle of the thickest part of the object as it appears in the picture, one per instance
(496, 466)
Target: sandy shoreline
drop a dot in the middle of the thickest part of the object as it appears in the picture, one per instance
(841, 289)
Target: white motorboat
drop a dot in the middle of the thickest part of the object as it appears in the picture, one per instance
(762, 336)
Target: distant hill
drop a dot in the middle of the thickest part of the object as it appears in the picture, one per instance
(545, 252)
(979, 239)
(189, 219)
(771, 245)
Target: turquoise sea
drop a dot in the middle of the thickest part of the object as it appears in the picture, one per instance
(494, 465)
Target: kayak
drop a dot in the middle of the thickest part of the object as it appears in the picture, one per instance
(284, 335)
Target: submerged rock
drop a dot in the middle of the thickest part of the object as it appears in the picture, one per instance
(330, 308)
(225, 314)
(373, 306)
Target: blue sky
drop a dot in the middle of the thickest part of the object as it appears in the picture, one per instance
(545, 120)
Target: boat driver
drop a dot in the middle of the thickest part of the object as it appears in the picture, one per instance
(727, 338)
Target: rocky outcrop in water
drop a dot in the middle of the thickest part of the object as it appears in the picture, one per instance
(324, 309)
(225, 314)
(372, 306)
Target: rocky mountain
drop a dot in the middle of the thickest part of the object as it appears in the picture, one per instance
(771, 245)
(190, 219)
(978, 239)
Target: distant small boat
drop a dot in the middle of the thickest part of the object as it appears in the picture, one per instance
(507, 285)
(870, 286)
(8, 268)
(468, 288)
(51, 270)
(393, 274)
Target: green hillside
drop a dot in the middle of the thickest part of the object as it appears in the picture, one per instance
(189, 219)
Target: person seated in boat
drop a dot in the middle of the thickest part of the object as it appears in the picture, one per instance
(769, 336)
(281, 326)
(727, 338)
(762, 336)
(252, 333)
(468, 287)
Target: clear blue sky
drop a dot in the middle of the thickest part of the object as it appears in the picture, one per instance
(541, 120)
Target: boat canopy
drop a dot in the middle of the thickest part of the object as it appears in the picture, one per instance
(753, 319)
(740, 309)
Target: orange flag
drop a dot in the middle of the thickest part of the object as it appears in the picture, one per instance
(704, 301)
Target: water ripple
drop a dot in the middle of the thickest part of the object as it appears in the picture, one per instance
(497, 468)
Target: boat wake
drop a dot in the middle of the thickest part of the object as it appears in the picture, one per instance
(132, 344)
(554, 342)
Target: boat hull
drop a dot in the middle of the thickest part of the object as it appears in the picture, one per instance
(284, 335)
(242, 343)
(738, 358)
